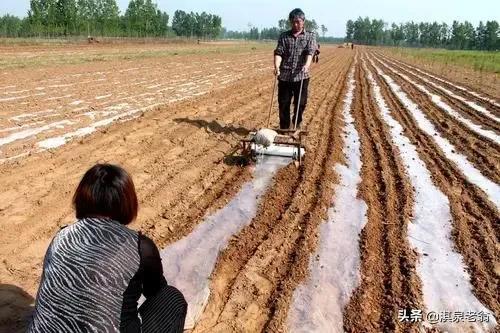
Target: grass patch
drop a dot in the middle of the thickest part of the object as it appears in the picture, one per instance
(481, 61)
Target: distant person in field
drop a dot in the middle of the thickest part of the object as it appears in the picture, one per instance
(96, 269)
(292, 61)
(316, 55)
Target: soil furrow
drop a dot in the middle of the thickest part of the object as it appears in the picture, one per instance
(176, 215)
(180, 157)
(153, 154)
(179, 169)
(260, 267)
(448, 84)
(476, 228)
(481, 151)
(477, 117)
(322, 192)
(388, 278)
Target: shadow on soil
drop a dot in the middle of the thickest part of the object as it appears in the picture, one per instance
(234, 158)
(213, 126)
(16, 308)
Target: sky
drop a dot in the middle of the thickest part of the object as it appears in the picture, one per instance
(237, 15)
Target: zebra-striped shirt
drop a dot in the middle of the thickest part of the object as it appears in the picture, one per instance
(87, 268)
(93, 275)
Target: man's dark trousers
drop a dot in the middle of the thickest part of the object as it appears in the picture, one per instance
(287, 90)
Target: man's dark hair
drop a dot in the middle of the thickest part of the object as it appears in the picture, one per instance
(106, 190)
(296, 13)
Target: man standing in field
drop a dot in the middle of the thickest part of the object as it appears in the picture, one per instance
(292, 60)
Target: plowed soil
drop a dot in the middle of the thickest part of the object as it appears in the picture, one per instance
(176, 129)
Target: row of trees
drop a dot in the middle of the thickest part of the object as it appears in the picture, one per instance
(459, 36)
(13, 26)
(50, 18)
(95, 17)
(273, 32)
(193, 24)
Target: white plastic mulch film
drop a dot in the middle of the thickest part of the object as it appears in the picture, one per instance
(334, 269)
(446, 284)
(188, 263)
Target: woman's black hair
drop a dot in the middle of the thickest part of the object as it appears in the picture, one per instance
(106, 190)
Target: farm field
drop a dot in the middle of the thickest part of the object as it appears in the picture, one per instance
(479, 60)
(395, 208)
(479, 68)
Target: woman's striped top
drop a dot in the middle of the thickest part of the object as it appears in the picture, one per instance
(93, 275)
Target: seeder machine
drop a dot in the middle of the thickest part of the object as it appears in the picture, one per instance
(276, 142)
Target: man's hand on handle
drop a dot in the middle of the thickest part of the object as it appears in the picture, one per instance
(277, 64)
(307, 65)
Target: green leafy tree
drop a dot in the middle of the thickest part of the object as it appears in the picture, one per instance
(36, 17)
(480, 42)
(434, 34)
(161, 23)
(376, 32)
(424, 30)
(66, 16)
(254, 33)
(397, 34)
(311, 25)
(202, 25)
(177, 22)
(215, 26)
(361, 33)
(10, 26)
(189, 25)
(457, 40)
(411, 32)
(43, 16)
(143, 18)
(444, 34)
(87, 15)
(284, 25)
(424, 34)
(469, 34)
(270, 33)
(349, 34)
(324, 29)
(492, 40)
(50, 10)
(108, 17)
(148, 17)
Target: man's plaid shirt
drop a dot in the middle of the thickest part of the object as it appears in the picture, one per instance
(293, 51)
